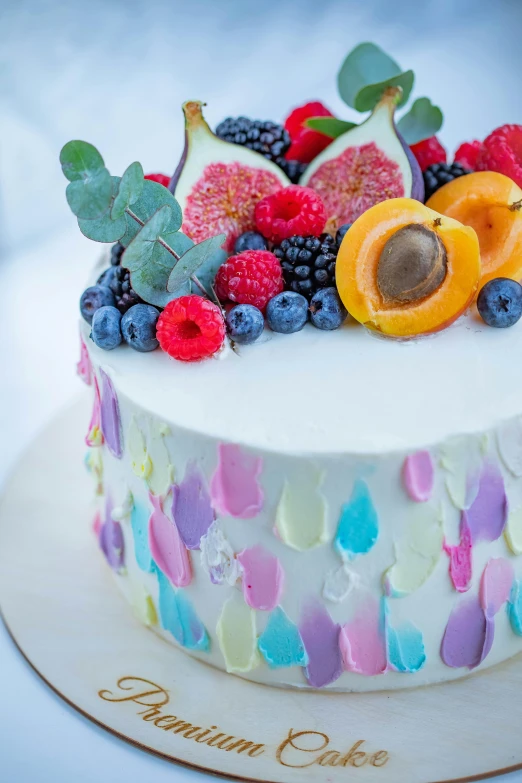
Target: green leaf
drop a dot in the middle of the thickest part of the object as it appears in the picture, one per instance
(330, 126)
(153, 197)
(368, 97)
(104, 229)
(130, 189)
(90, 197)
(422, 121)
(368, 66)
(79, 160)
(192, 260)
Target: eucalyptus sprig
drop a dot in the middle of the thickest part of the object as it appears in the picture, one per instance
(363, 78)
(145, 217)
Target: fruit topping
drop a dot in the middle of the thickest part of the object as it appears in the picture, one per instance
(341, 233)
(163, 179)
(245, 323)
(428, 152)
(502, 152)
(191, 328)
(138, 327)
(364, 166)
(402, 281)
(292, 168)
(290, 212)
(308, 263)
(105, 328)
(218, 184)
(468, 153)
(306, 143)
(263, 136)
(440, 174)
(326, 309)
(250, 240)
(93, 298)
(500, 302)
(491, 204)
(287, 312)
(124, 294)
(252, 277)
(116, 253)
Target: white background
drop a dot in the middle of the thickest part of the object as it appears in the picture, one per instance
(114, 72)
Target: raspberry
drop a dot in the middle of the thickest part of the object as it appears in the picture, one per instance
(502, 152)
(252, 277)
(289, 212)
(428, 152)
(306, 143)
(468, 154)
(191, 328)
(161, 178)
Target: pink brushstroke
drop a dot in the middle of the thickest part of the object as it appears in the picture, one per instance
(263, 578)
(418, 475)
(460, 566)
(167, 548)
(495, 585)
(362, 641)
(234, 487)
(84, 366)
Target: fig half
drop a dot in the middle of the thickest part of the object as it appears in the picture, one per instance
(364, 166)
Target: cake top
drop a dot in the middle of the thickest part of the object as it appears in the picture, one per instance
(287, 244)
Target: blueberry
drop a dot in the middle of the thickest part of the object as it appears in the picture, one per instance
(341, 231)
(138, 327)
(500, 302)
(250, 240)
(245, 323)
(93, 298)
(287, 312)
(326, 309)
(105, 330)
(109, 277)
(116, 254)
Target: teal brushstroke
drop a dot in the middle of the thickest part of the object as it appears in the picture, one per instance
(514, 607)
(280, 643)
(177, 615)
(358, 527)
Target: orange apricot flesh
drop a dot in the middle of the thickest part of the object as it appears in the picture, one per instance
(490, 203)
(358, 262)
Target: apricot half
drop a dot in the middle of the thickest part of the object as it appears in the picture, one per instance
(405, 270)
(491, 203)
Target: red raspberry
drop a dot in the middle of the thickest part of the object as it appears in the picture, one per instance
(191, 328)
(502, 152)
(289, 212)
(468, 153)
(306, 143)
(428, 152)
(161, 178)
(252, 277)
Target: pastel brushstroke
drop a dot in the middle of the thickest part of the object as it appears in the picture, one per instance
(141, 463)
(167, 549)
(460, 555)
(406, 651)
(177, 615)
(191, 507)
(487, 515)
(161, 475)
(94, 465)
(237, 635)
(263, 578)
(94, 435)
(139, 519)
(417, 553)
(97, 524)
(509, 440)
(358, 529)
(515, 607)
(363, 642)
(467, 639)
(513, 530)
(301, 513)
(84, 366)
(110, 417)
(418, 476)
(320, 635)
(111, 539)
(218, 558)
(280, 643)
(235, 487)
(495, 585)
(461, 458)
(143, 606)
(339, 583)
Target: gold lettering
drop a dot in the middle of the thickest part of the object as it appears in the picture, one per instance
(328, 759)
(212, 739)
(150, 714)
(200, 737)
(171, 721)
(189, 735)
(222, 745)
(354, 757)
(289, 742)
(157, 695)
(240, 745)
(379, 759)
(182, 726)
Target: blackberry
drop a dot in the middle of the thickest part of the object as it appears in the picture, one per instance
(116, 254)
(293, 169)
(308, 263)
(439, 174)
(263, 136)
(124, 294)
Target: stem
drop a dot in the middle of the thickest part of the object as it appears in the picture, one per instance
(516, 206)
(162, 242)
(200, 285)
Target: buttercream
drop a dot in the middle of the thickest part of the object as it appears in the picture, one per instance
(417, 553)
(167, 548)
(362, 640)
(111, 539)
(515, 607)
(161, 475)
(110, 416)
(460, 565)
(143, 605)
(461, 458)
(301, 513)
(218, 558)
(235, 487)
(280, 643)
(406, 651)
(339, 583)
(509, 440)
(320, 635)
(94, 465)
(178, 616)
(191, 507)
(237, 635)
(513, 531)
(94, 435)
(140, 534)
(358, 529)
(418, 475)
(495, 585)
(84, 366)
(486, 517)
(467, 639)
(263, 578)
(141, 463)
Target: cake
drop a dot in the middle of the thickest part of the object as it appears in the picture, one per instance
(310, 486)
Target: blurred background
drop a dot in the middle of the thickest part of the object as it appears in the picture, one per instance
(115, 72)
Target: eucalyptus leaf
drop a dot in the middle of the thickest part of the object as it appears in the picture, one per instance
(105, 229)
(140, 251)
(130, 189)
(91, 196)
(364, 65)
(330, 126)
(153, 197)
(368, 97)
(79, 160)
(192, 260)
(422, 121)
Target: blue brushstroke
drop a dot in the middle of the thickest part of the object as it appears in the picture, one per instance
(514, 607)
(281, 643)
(177, 616)
(405, 648)
(358, 528)
(140, 531)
